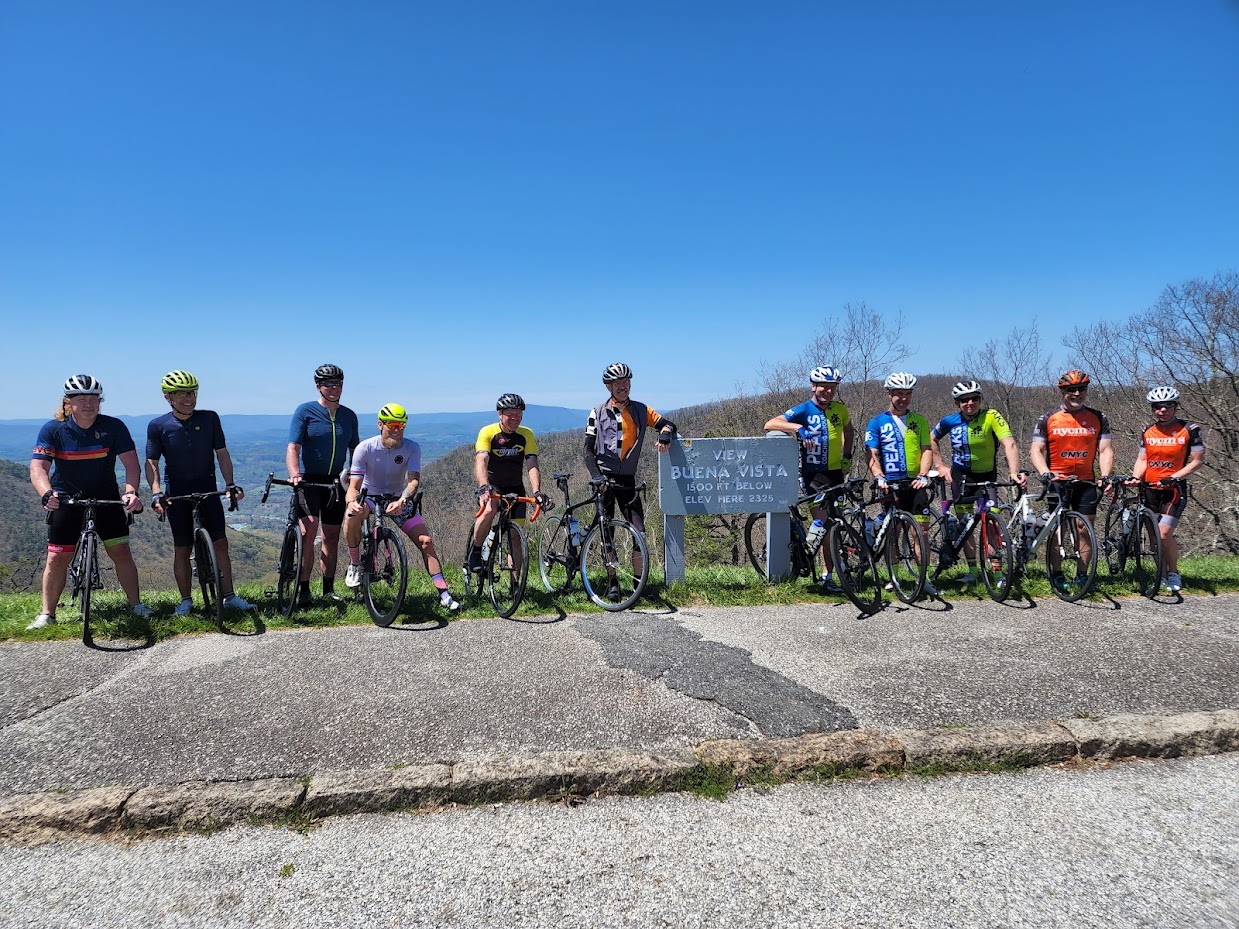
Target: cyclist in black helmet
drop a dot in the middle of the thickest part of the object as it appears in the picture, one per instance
(502, 451)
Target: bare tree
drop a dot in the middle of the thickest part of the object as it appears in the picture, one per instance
(1015, 372)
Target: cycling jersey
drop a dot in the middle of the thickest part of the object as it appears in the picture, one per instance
(899, 442)
(385, 470)
(1167, 448)
(973, 443)
(824, 429)
(1072, 440)
(616, 435)
(84, 460)
(507, 451)
(325, 438)
(188, 448)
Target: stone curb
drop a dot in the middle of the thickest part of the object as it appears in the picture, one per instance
(120, 812)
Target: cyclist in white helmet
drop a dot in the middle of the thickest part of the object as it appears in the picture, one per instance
(1170, 450)
(824, 427)
(900, 449)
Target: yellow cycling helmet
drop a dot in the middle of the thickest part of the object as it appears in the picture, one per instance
(393, 413)
(178, 380)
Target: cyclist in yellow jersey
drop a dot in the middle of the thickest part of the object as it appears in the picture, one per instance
(501, 453)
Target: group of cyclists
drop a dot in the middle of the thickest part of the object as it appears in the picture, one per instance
(1071, 441)
(76, 452)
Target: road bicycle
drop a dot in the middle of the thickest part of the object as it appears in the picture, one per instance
(290, 548)
(84, 579)
(384, 560)
(505, 556)
(1131, 542)
(994, 553)
(801, 560)
(895, 536)
(1062, 531)
(850, 554)
(609, 554)
(206, 564)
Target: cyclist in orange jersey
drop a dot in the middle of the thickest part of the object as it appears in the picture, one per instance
(1170, 450)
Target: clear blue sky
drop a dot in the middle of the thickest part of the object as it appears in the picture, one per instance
(452, 200)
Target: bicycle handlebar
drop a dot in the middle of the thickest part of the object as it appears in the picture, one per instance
(510, 500)
(198, 498)
(273, 481)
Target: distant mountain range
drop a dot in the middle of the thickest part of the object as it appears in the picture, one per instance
(437, 433)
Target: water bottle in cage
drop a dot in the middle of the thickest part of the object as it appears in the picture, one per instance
(814, 536)
(487, 543)
(574, 530)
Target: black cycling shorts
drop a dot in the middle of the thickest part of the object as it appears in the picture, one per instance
(628, 500)
(911, 500)
(1082, 496)
(317, 499)
(64, 524)
(181, 520)
(1163, 502)
(818, 481)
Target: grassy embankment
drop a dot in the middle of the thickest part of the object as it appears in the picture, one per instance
(717, 586)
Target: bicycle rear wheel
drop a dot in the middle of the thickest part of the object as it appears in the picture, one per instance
(853, 562)
(556, 561)
(385, 576)
(1072, 571)
(86, 562)
(1114, 544)
(755, 542)
(507, 570)
(907, 555)
(995, 556)
(209, 581)
(1147, 555)
(614, 564)
(290, 570)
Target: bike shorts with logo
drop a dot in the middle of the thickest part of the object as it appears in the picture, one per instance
(1160, 502)
(1081, 497)
(181, 519)
(628, 500)
(64, 525)
(911, 500)
(316, 499)
(959, 477)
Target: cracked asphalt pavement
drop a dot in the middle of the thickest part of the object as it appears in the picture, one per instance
(308, 702)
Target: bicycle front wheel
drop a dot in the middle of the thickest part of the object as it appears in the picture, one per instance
(995, 556)
(755, 542)
(508, 570)
(1113, 542)
(473, 579)
(207, 566)
(858, 574)
(384, 577)
(907, 555)
(1147, 555)
(87, 562)
(614, 564)
(1071, 556)
(290, 570)
(556, 561)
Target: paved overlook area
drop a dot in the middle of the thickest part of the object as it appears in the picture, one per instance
(364, 718)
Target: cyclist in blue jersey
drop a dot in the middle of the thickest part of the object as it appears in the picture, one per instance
(190, 440)
(321, 439)
(75, 454)
(824, 427)
(900, 448)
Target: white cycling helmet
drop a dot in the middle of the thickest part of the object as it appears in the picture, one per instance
(825, 374)
(901, 380)
(1163, 395)
(83, 385)
(965, 389)
(616, 372)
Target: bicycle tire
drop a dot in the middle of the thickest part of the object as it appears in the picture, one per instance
(473, 579)
(939, 545)
(88, 552)
(1114, 546)
(755, 542)
(995, 556)
(907, 556)
(209, 581)
(557, 561)
(507, 571)
(1147, 555)
(289, 571)
(854, 564)
(385, 576)
(607, 570)
(1075, 575)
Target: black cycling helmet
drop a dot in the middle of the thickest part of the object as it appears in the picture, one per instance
(616, 372)
(328, 373)
(509, 402)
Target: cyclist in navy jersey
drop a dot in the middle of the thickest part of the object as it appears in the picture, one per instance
(189, 440)
(321, 439)
(75, 455)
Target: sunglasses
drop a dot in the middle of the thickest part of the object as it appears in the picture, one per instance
(1074, 390)
(976, 399)
(1164, 406)
(398, 427)
(331, 383)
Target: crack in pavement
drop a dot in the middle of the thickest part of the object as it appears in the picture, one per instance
(662, 650)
